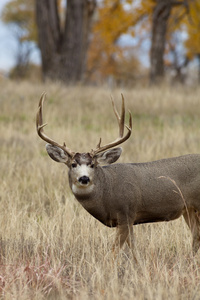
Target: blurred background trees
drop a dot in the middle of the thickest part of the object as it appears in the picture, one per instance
(20, 15)
(64, 42)
(119, 42)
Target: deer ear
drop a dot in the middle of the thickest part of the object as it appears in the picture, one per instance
(109, 156)
(57, 153)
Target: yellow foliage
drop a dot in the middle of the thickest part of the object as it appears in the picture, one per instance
(114, 18)
(113, 21)
(22, 14)
(193, 27)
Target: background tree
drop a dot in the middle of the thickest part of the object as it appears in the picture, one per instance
(162, 12)
(192, 43)
(109, 59)
(176, 59)
(64, 29)
(64, 46)
(19, 15)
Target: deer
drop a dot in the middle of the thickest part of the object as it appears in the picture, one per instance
(122, 195)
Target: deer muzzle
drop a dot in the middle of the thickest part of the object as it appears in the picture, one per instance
(84, 180)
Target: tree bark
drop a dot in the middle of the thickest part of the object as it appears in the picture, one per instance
(161, 16)
(64, 50)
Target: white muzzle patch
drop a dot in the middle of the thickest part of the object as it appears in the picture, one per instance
(83, 183)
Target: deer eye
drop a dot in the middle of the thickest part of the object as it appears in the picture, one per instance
(74, 165)
(92, 166)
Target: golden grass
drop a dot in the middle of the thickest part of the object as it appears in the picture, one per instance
(50, 248)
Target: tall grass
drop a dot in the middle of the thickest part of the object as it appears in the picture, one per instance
(50, 248)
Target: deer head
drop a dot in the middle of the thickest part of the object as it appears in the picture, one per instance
(82, 166)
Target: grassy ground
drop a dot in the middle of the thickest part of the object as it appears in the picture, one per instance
(50, 248)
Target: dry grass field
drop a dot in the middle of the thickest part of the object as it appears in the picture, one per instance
(50, 248)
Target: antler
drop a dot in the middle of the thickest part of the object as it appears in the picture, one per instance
(121, 138)
(40, 128)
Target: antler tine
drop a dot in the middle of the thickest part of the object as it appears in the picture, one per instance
(40, 128)
(120, 119)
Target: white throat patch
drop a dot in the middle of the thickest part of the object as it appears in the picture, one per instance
(79, 189)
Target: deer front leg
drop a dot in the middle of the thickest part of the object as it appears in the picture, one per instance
(124, 234)
(130, 238)
(121, 237)
(130, 242)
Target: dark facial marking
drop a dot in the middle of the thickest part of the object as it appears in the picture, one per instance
(83, 158)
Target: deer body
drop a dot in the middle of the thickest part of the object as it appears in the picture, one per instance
(140, 194)
(123, 195)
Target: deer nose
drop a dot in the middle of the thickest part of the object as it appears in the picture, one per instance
(84, 180)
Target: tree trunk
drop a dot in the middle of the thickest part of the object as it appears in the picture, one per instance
(161, 16)
(64, 50)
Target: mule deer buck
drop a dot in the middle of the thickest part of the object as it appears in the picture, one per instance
(125, 194)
